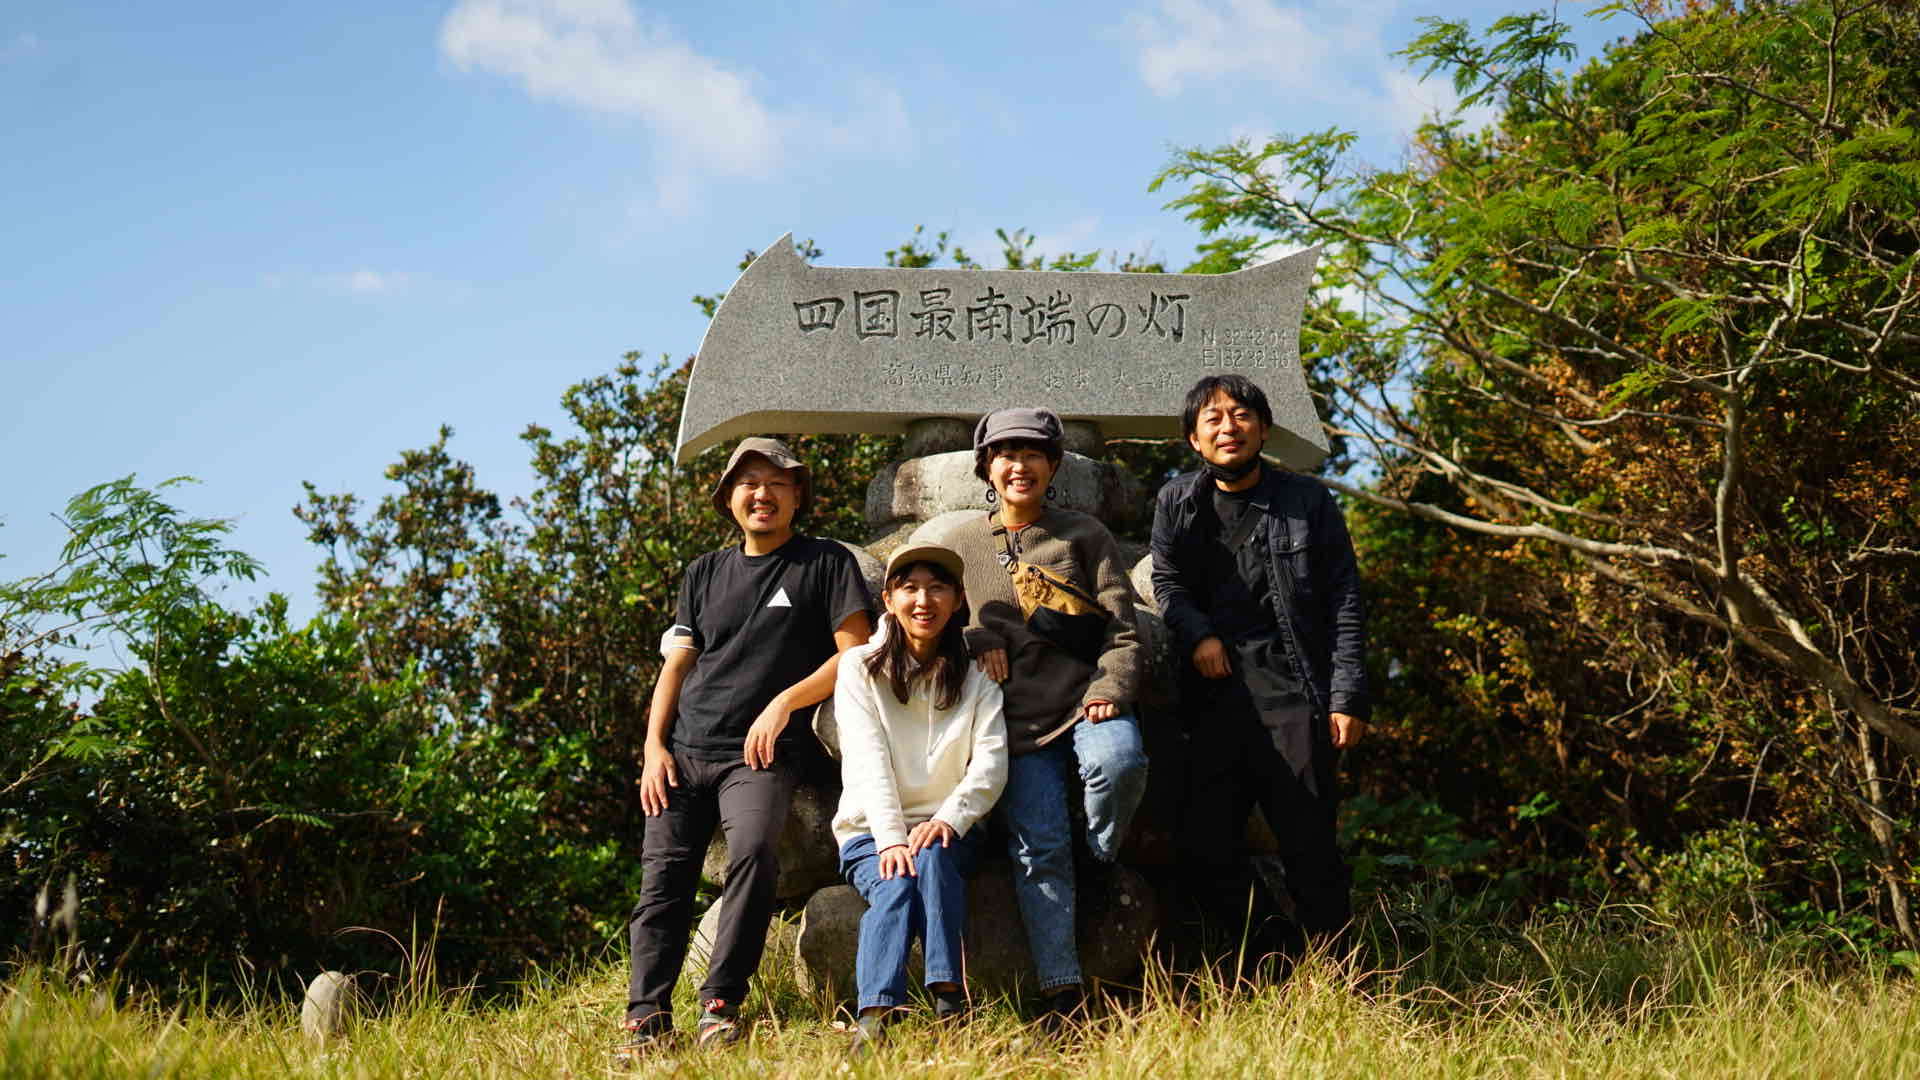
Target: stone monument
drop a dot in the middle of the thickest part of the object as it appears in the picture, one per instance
(796, 349)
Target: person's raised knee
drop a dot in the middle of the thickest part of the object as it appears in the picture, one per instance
(893, 892)
(936, 860)
(1118, 767)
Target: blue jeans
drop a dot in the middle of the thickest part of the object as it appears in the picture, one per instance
(931, 906)
(1113, 774)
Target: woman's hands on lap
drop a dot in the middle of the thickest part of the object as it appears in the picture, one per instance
(927, 833)
(895, 862)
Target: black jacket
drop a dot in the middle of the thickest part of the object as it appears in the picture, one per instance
(1306, 539)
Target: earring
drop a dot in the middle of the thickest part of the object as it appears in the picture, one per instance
(992, 495)
(1049, 492)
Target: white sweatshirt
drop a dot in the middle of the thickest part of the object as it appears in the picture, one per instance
(901, 765)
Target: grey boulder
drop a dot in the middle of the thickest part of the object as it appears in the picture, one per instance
(1142, 578)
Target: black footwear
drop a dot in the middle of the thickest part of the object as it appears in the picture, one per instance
(719, 1024)
(869, 1035)
(949, 1006)
(1062, 1012)
(642, 1036)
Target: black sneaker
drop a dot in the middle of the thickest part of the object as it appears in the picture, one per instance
(719, 1024)
(949, 1006)
(643, 1036)
(1061, 1013)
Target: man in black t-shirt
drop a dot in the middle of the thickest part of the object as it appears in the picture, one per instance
(753, 649)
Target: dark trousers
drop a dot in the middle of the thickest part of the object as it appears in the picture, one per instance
(751, 805)
(1235, 763)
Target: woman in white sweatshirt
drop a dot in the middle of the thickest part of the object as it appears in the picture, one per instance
(923, 756)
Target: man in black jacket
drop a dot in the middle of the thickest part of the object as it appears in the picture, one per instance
(1254, 574)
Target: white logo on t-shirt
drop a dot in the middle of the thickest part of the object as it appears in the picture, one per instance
(780, 598)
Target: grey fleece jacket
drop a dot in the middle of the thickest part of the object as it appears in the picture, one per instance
(1046, 688)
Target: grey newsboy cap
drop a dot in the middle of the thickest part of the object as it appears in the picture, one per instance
(1039, 425)
(781, 457)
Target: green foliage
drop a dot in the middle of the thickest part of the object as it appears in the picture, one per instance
(1717, 873)
(1416, 840)
(248, 788)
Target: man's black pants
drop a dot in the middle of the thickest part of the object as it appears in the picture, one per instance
(751, 805)
(1235, 763)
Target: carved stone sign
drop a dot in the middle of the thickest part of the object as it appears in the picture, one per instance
(799, 348)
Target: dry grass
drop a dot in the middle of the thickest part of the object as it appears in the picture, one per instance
(1609, 993)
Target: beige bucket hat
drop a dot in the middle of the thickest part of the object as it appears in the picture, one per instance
(780, 456)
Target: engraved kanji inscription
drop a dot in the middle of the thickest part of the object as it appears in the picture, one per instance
(819, 314)
(879, 313)
(1048, 320)
(949, 375)
(934, 320)
(1166, 315)
(989, 316)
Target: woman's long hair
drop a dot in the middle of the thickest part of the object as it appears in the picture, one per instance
(894, 661)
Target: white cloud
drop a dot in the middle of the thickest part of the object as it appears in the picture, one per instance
(1329, 52)
(1079, 237)
(598, 55)
(369, 282)
(362, 282)
(1203, 40)
(605, 56)
(24, 43)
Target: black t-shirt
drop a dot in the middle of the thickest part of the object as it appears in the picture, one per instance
(1243, 609)
(761, 623)
(1263, 678)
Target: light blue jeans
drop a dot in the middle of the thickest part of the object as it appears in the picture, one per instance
(1113, 773)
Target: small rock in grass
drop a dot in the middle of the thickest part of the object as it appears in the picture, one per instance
(323, 1015)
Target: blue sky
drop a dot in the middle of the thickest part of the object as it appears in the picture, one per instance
(262, 243)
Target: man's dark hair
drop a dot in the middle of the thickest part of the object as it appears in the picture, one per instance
(985, 454)
(1238, 387)
(893, 660)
